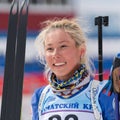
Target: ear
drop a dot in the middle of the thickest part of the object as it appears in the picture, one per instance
(82, 49)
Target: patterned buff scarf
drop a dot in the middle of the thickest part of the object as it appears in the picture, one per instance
(67, 88)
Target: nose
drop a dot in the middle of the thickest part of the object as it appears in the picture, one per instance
(56, 53)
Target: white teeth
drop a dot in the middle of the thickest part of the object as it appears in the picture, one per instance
(58, 64)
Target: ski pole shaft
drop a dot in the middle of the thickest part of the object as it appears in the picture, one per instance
(9, 60)
(14, 65)
(100, 21)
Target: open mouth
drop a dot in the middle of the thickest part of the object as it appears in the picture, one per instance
(59, 64)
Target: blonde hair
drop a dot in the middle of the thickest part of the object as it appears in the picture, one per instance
(72, 27)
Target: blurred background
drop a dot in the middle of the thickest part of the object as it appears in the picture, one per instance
(41, 10)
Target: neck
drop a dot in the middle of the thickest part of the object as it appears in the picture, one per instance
(69, 75)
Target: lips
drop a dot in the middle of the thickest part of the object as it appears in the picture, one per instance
(59, 64)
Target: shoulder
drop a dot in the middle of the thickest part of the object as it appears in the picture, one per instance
(106, 98)
(107, 89)
(35, 101)
(107, 94)
(36, 95)
(104, 86)
(103, 89)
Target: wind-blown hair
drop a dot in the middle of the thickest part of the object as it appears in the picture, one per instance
(70, 26)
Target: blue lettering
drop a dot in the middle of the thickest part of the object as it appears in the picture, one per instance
(76, 105)
(87, 106)
(57, 106)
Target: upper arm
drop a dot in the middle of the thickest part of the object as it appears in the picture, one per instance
(35, 102)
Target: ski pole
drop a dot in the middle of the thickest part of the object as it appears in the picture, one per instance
(100, 21)
(14, 62)
(9, 60)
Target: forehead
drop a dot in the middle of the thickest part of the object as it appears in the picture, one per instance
(58, 36)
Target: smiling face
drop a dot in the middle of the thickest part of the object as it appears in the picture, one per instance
(61, 54)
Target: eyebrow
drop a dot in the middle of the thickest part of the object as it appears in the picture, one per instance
(50, 44)
(63, 41)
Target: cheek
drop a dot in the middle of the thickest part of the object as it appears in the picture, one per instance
(73, 56)
(48, 58)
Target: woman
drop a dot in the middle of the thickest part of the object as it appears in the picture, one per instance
(115, 73)
(72, 93)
